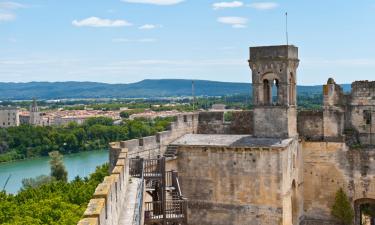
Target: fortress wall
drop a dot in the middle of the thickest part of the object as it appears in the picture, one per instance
(333, 123)
(329, 166)
(242, 122)
(362, 90)
(213, 123)
(363, 121)
(237, 185)
(105, 206)
(310, 125)
(109, 198)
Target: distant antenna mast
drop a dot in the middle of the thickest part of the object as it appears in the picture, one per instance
(286, 28)
(193, 93)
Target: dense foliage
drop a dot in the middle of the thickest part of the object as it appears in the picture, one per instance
(54, 202)
(31, 141)
(342, 209)
(58, 170)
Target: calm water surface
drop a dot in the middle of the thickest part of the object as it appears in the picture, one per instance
(81, 164)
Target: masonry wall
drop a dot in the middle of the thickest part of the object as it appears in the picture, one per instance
(310, 125)
(236, 186)
(213, 123)
(362, 110)
(275, 121)
(152, 146)
(364, 127)
(333, 123)
(329, 166)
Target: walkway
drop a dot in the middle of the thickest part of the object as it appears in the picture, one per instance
(127, 211)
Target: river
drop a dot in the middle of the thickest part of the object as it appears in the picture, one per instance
(81, 164)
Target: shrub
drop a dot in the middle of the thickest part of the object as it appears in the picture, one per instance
(342, 209)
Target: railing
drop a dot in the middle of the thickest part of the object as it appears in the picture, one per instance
(178, 188)
(157, 181)
(136, 167)
(138, 207)
(146, 153)
(175, 209)
(151, 168)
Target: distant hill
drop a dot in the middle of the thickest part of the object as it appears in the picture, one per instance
(145, 88)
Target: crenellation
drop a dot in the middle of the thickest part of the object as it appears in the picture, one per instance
(89, 221)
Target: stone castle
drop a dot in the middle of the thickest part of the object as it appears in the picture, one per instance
(273, 165)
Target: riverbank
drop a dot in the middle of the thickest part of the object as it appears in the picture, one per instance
(77, 164)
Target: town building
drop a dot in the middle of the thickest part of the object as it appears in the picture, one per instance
(9, 117)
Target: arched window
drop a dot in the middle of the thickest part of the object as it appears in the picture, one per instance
(266, 92)
(275, 92)
(291, 90)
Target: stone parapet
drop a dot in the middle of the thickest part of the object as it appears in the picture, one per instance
(105, 206)
(152, 146)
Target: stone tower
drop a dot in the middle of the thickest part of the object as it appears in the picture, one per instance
(35, 118)
(274, 71)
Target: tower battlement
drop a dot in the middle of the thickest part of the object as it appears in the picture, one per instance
(363, 88)
(274, 52)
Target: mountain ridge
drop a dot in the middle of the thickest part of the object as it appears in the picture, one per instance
(148, 88)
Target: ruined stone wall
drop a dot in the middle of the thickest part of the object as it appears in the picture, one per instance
(310, 125)
(329, 166)
(213, 123)
(361, 110)
(333, 123)
(333, 94)
(242, 122)
(236, 186)
(363, 122)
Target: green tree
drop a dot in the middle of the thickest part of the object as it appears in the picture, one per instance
(58, 170)
(342, 209)
(36, 182)
(124, 114)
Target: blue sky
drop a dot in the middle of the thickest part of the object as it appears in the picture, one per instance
(122, 41)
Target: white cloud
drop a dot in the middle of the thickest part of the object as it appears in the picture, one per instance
(5, 17)
(264, 5)
(147, 40)
(11, 5)
(99, 22)
(124, 40)
(235, 22)
(149, 27)
(223, 5)
(119, 40)
(355, 62)
(155, 2)
(12, 40)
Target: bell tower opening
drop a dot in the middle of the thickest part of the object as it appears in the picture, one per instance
(266, 92)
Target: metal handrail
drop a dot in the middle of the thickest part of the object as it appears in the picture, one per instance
(174, 209)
